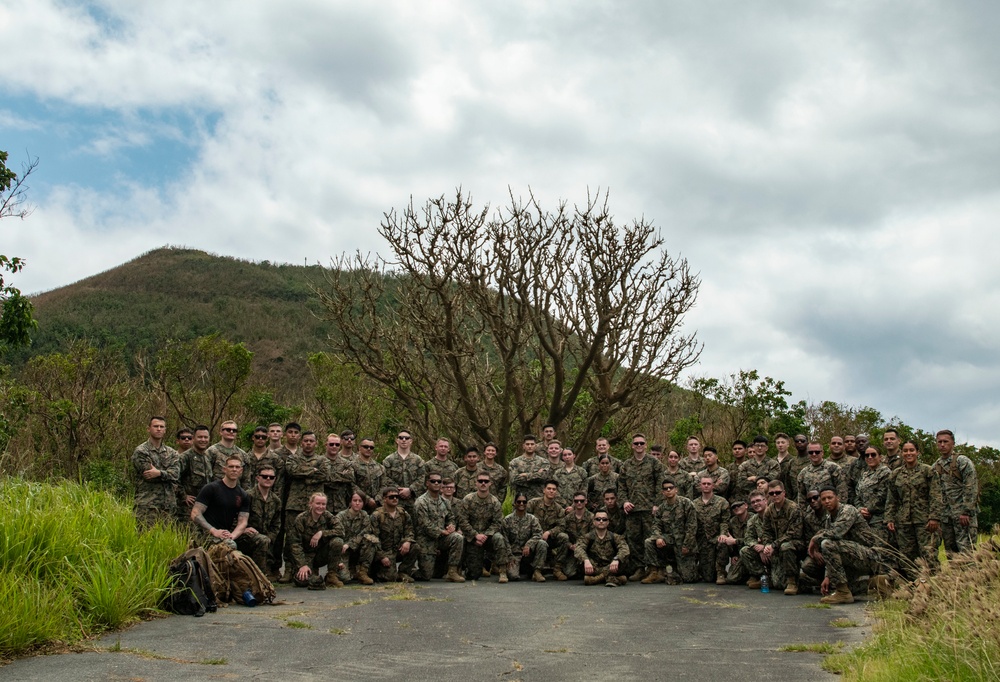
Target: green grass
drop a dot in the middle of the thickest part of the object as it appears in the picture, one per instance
(298, 625)
(814, 647)
(844, 623)
(73, 564)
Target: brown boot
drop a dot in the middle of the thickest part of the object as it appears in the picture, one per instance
(454, 576)
(486, 573)
(595, 579)
(557, 572)
(638, 576)
(363, 576)
(332, 580)
(537, 576)
(721, 579)
(514, 570)
(405, 578)
(841, 596)
(622, 580)
(792, 588)
(655, 576)
(753, 583)
(503, 576)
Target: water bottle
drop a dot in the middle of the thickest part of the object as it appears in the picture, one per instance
(765, 586)
(249, 599)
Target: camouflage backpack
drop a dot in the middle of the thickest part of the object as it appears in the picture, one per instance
(240, 573)
(191, 592)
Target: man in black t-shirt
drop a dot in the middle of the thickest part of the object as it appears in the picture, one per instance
(221, 508)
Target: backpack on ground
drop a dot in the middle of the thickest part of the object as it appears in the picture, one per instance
(191, 592)
(240, 573)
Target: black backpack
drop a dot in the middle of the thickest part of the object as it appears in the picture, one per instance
(191, 592)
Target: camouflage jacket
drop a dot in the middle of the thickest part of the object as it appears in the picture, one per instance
(499, 477)
(713, 518)
(872, 491)
(596, 485)
(272, 459)
(528, 474)
(158, 493)
(369, 477)
(768, 468)
(306, 475)
(550, 516)
(691, 465)
(220, 453)
(676, 524)
(340, 483)
(430, 517)
(851, 468)
(520, 530)
(812, 521)
(355, 525)
(465, 483)
(639, 482)
(753, 534)
(305, 527)
(406, 473)
(195, 471)
(571, 482)
(914, 496)
(265, 515)
(782, 525)
(959, 487)
(721, 478)
(738, 529)
(817, 477)
(601, 551)
(477, 515)
(445, 469)
(391, 531)
(683, 481)
(577, 528)
(848, 524)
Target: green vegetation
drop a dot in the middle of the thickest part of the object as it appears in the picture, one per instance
(814, 647)
(945, 630)
(72, 564)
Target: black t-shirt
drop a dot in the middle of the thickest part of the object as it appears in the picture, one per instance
(224, 504)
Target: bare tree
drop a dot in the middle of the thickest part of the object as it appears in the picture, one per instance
(483, 326)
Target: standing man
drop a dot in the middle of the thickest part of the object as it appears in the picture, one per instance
(713, 526)
(893, 457)
(436, 531)
(274, 434)
(548, 435)
(261, 535)
(261, 456)
(712, 469)
(739, 456)
(196, 471)
(692, 462)
(851, 468)
(528, 472)
(602, 447)
(441, 462)
(572, 479)
(340, 483)
(497, 473)
(347, 441)
(465, 478)
(369, 475)
(227, 447)
(820, 474)
(787, 471)
(638, 485)
(553, 449)
(758, 466)
(956, 476)
(405, 470)
(155, 468)
(221, 509)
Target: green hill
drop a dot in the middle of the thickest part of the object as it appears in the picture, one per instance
(173, 293)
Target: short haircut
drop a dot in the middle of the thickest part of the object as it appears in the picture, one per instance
(945, 432)
(529, 437)
(710, 448)
(891, 429)
(551, 481)
(388, 489)
(293, 425)
(775, 485)
(266, 467)
(236, 458)
(656, 448)
(181, 432)
(781, 434)
(829, 488)
(760, 439)
(739, 442)
(273, 424)
(260, 429)
(308, 433)
(202, 427)
(157, 418)
(472, 448)
(757, 494)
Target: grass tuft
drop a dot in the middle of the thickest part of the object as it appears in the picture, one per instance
(814, 647)
(844, 623)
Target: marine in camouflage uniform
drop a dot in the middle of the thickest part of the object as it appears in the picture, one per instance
(750, 559)
(265, 518)
(713, 521)
(782, 523)
(409, 472)
(851, 469)
(720, 477)
(524, 537)
(369, 479)
(444, 468)
(676, 525)
(638, 492)
(822, 475)
(846, 545)
(913, 501)
(681, 479)
(601, 552)
(307, 474)
(571, 482)
(499, 477)
(551, 517)
(340, 482)
(871, 494)
(195, 473)
(528, 475)
(956, 475)
(360, 543)
(220, 452)
(155, 498)
(728, 566)
(465, 482)
(327, 552)
(434, 522)
(394, 529)
(481, 515)
(756, 468)
(576, 528)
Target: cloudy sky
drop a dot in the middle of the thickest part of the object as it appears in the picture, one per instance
(832, 169)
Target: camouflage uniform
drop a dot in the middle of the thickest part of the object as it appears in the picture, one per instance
(783, 531)
(795, 468)
(358, 536)
(327, 553)
(683, 481)
(265, 518)
(340, 483)
(155, 500)
(639, 483)
(445, 469)
(871, 493)
(498, 477)
(713, 521)
(551, 518)
(768, 468)
(220, 453)
(525, 531)
(430, 518)
(846, 545)
(392, 532)
(691, 465)
(957, 481)
(851, 469)
(785, 467)
(734, 573)
(600, 552)
(823, 475)
(571, 482)
(406, 473)
(195, 473)
(527, 475)
(272, 459)
(750, 560)
(734, 477)
(306, 475)
(812, 522)
(369, 477)
(465, 482)
(478, 515)
(677, 525)
(914, 498)
(576, 529)
(596, 485)
(590, 466)
(720, 477)
(616, 519)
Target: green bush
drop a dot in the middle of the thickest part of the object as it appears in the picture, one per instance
(73, 563)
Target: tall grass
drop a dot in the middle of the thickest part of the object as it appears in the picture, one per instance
(946, 628)
(73, 563)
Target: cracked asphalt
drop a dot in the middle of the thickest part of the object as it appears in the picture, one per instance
(477, 630)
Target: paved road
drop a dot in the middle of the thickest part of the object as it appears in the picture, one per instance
(474, 631)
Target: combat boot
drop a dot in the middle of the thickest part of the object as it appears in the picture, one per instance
(595, 579)
(332, 580)
(841, 596)
(405, 578)
(638, 575)
(537, 576)
(286, 577)
(363, 576)
(753, 583)
(655, 576)
(454, 576)
(557, 572)
(513, 570)
(792, 587)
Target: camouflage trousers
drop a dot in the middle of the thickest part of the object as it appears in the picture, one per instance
(475, 556)
(708, 551)
(362, 554)
(257, 547)
(450, 545)
(407, 564)
(661, 557)
(558, 548)
(959, 538)
(638, 527)
(538, 552)
(843, 561)
(327, 553)
(150, 516)
(777, 570)
(290, 516)
(729, 566)
(916, 542)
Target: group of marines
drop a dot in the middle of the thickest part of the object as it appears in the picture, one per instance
(860, 518)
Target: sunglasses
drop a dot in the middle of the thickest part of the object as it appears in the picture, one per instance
(638, 442)
(392, 497)
(775, 493)
(483, 482)
(814, 452)
(266, 477)
(404, 438)
(520, 502)
(228, 430)
(600, 520)
(367, 447)
(579, 501)
(186, 438)
(812, 498)
(434, 481)
(260, 436)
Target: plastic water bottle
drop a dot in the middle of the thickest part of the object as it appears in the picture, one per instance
(765, 586)
(249, 599)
